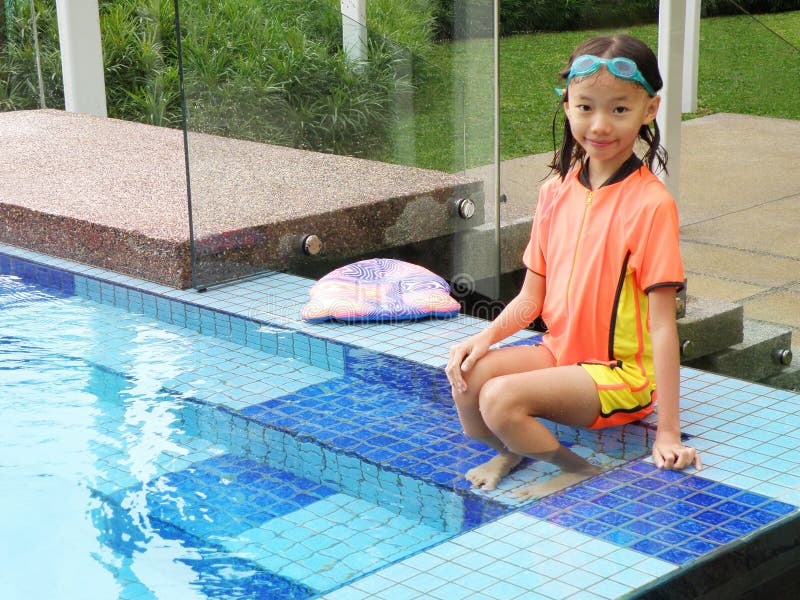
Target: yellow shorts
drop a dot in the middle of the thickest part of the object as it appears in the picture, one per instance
(626, 394)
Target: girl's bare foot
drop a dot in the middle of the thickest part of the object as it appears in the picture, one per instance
(555, 484)
(489, 474)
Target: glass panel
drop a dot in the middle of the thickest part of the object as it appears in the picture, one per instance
(740, 196)
(314, 141)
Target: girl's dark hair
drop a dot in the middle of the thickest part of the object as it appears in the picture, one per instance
(611, 46)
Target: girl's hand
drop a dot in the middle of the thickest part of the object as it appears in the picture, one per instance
(670, 453)
(462, 358)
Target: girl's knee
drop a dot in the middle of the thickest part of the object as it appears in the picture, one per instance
(493, 403)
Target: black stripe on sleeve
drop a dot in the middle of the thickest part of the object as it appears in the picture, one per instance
(678, 285)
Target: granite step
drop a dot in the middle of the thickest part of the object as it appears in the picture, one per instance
(762, 353)
(709, 326)
(787, 378)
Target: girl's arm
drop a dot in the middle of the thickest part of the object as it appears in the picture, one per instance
(668, 451)
(518, 314)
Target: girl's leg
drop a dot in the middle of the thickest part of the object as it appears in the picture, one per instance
(495, 363)
(510, 405)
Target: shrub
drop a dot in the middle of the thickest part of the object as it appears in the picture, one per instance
(266, 70)
(19, 81)
(275, 71)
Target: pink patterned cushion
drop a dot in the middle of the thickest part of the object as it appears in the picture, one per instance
(379, 289)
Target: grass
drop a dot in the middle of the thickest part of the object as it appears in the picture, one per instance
(744, 68)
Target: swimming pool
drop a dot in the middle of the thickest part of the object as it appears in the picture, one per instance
(163, 447)
(155, 459)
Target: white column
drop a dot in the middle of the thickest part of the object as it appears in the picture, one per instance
(691, 56)
(81, 56)
(671, 23)
(354, 29)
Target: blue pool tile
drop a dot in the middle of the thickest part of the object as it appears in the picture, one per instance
(629, 492)
(622, 476)
(586, 510)
(779, 508)
(675, 491)
(593, 528)
(649, 484)
(560, 501)
(621, 538)
(565, 519)
(650, 547)
(640, 527)
(669, 536)
(698, 546)
(761, 517)
(642, 467)
(602, 483)
(668, 475)
(720, 536)
(445, 477)
(740, 526)
(702, 499)
(656, 500)
(732, 508)
(684, 508)
(635, 509)
(541, 510)
(664, 518)
(582, 493)
(690, 526)
(676, 556)
(614, 518)
(608, 501)
(696, 483)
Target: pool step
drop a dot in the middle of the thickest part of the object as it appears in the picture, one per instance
(787, 378)
(709, 326)
(716, 337)
(332, 541)
(298, 535)
(757, 357)
(343, 433)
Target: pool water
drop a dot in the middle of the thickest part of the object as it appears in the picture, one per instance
(146, 460)
(125, 489)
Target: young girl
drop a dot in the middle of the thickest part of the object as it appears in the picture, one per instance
(603, 267)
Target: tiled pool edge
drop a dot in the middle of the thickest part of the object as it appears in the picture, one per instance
(730, 572)
(271, 332)
(493, 535)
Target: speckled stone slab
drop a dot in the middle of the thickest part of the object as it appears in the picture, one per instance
(113, 194)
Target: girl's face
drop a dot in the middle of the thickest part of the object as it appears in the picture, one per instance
(605, 114)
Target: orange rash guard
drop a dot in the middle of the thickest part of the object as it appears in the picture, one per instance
(601, 251)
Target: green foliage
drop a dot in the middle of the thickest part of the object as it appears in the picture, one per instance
(275, 71)
(140, 58)
(266, 70)
(19, 82)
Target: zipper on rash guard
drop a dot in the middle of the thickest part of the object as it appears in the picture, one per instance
(586, 207)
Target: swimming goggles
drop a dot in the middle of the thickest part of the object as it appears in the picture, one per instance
(620, 67)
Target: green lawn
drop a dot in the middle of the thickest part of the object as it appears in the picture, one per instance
(744, 68)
